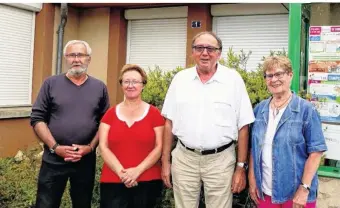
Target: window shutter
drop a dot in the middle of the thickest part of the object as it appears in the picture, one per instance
(256, 33)
(16, 49)
(159, 42)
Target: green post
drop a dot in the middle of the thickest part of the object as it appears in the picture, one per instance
(294, 43)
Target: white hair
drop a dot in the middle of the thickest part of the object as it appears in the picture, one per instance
(72, 42)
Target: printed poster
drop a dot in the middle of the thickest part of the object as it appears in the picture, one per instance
(331, 133)
(324, 71)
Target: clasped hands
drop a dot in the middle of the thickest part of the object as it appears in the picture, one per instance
(72, 153)
(129, 176)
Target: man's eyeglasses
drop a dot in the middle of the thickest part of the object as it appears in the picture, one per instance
(75, 55)
(278, 75)
(128, 82)
(210, 49)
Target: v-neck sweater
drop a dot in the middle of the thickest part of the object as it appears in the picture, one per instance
(71, 112)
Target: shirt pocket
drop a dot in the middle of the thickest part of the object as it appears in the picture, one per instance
(295, 133)
(225, 118)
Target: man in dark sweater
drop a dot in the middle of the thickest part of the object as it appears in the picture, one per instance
(65, 117)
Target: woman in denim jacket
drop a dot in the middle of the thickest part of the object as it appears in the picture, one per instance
(286, 143)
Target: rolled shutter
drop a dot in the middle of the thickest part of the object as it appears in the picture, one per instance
(16, 55)
(256, 33)
(159, 42)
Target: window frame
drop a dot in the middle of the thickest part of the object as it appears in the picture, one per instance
(30, 76)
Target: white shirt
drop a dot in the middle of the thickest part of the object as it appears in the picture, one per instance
(209, 115)
(267, 160)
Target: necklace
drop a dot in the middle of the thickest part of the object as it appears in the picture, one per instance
(277, 109)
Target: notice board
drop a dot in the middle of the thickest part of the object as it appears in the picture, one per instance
(324, 82)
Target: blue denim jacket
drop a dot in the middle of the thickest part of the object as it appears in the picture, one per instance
(298, 133)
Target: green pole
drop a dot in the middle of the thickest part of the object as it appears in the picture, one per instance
(294, 43)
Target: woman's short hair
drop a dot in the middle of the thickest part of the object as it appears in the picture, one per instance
(273, 62)
(133, 67)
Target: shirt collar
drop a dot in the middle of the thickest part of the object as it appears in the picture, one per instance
(218, 76)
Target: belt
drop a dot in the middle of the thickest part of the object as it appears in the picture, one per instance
(208, 152)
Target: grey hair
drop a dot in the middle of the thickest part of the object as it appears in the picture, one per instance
(72, 42)
(219, 41)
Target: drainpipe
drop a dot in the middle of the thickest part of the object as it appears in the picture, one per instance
(60, 32)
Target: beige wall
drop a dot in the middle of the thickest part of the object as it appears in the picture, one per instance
(320, 14)
(12, 140)
(328, 195)
(325, 14)
(94, 29)
(335, 13)
(91, 25)
(71, 32)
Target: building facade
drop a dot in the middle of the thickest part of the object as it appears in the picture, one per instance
(144, 34)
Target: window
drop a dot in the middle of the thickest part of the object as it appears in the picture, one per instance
(160, 42)
(157, 37)
(16, 59)
(256, 33)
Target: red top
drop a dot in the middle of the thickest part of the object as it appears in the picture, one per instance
(131, 145)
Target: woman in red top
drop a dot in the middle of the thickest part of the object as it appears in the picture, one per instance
(130, 141)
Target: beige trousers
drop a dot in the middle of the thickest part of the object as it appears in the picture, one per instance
(215, 170)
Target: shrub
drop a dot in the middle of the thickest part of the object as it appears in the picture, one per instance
(18, 180)
(255, 84)
(158, 82)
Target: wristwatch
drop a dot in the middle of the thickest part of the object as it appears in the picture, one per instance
(242, 165)
(305, 186)
(52, 150)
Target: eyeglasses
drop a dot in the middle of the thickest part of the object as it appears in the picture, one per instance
(75, 55)
(210, 49)
(278, 75)
(128, 82)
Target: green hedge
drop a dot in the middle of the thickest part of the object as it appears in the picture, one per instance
(18, 183)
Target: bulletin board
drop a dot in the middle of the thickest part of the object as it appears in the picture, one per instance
(324, 82)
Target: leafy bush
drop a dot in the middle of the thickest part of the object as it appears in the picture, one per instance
(255, 84)
(18, 180)
(158, 82)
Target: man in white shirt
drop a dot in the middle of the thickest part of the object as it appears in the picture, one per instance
(208, 108)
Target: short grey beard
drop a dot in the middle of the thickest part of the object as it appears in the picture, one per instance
(77, 73)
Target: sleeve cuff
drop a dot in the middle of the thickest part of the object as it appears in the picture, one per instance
(245, 122)
(33, 123)
(319, 148)
(167, 116)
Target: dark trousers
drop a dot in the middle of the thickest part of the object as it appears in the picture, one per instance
(116, 195)
(53, 178)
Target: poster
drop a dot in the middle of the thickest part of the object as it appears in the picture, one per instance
(324, 71)
(331, 133)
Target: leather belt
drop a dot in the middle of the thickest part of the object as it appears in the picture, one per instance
(208, 152)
